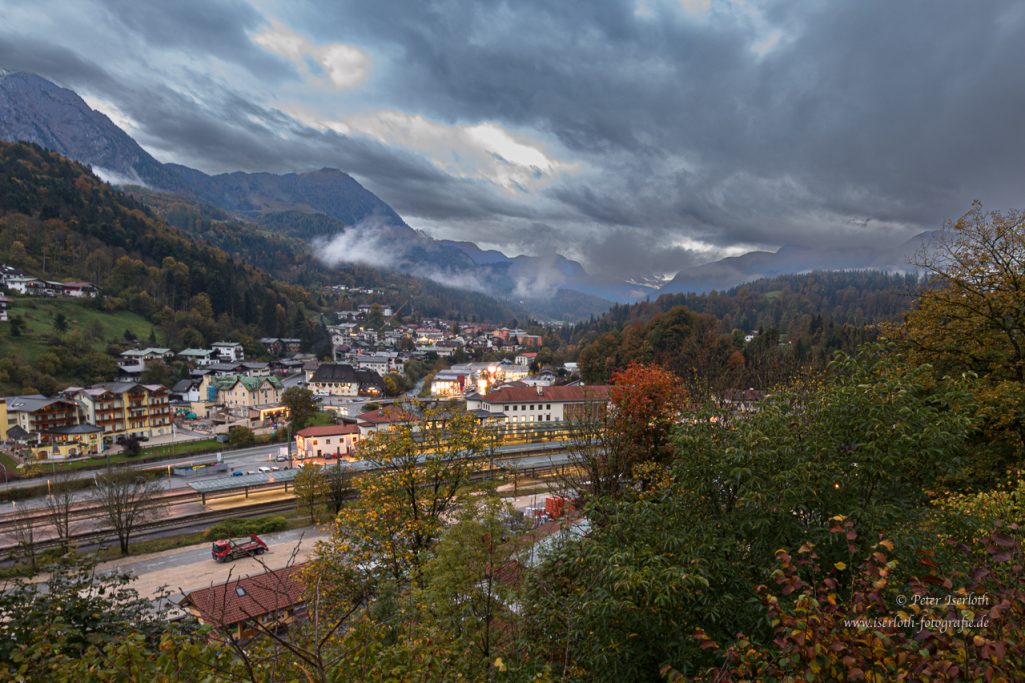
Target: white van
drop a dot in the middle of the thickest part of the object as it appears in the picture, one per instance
(265, 470)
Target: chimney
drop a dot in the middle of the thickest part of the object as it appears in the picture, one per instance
(540, 390)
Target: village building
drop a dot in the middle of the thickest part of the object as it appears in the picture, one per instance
(272, 601)
(383, 419)
(327, 441)
(342, 379)
(229, 352)
(525, 404)
(124, 408)
(240, 391)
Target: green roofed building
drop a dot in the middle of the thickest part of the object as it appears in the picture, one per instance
(239, 391)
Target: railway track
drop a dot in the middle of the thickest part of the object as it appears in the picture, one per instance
(86, 540)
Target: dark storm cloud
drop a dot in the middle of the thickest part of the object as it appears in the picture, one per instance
(898, 112)
(864, 123)
(208, 28)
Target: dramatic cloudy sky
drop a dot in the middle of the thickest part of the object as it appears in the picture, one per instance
(639, 136)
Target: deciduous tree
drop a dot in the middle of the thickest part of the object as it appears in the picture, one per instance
(126, 500)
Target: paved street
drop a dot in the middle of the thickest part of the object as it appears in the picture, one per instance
(192, 567)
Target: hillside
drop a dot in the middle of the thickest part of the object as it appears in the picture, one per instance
(287, 253)
(755, 335)
(316, 206)
(42, 358)
(59, 220)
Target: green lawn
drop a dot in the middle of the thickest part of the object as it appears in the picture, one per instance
(38, 314)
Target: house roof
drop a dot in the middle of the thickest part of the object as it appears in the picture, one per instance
(17, 433)
(184, 385)
(369, 377)
(329, 430)
(30, 404)
(225, 367)
(196, 352)
(566, 394)
(243, 599)
(250, 383)
(335, 372)
(75, 429)
(386, 415)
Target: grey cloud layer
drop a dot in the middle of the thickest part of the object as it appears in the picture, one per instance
(869, 121)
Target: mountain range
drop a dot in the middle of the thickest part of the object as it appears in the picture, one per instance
(345, 222)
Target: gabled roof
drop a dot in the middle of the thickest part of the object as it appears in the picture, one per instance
(250, 383)
(185, 385)
(30, 404)
(75, 429)
(335, 372)
(386, 415)
(253, 596)
(566, 394)
(196, 352)
(329, 430)
(16, 433)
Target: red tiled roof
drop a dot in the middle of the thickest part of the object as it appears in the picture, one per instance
(386, 415)
(554, 394)
(329, 430)
(223, 605)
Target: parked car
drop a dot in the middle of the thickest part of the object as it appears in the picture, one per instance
(265, 470)
(282, 458)
(237, 473)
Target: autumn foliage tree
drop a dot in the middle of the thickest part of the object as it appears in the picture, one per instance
(864, 622)
(974, 319)
(420, 467)
(646, 402)
(630, 438)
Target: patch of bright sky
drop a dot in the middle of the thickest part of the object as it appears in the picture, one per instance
(338, 65)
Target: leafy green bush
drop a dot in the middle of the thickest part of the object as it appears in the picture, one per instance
(230, 528)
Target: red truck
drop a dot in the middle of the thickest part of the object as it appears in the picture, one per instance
(234, 548)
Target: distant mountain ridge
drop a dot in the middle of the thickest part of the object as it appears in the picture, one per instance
(315, 205)
(319, 206)
(736, 270)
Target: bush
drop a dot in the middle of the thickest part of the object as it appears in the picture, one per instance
(230, 528)
(131, 446)
(241, 436)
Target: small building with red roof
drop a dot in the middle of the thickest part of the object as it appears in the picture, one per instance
(243, 607)
(327, 441)
(383, 419)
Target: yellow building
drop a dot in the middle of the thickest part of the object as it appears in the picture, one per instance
(4, 426)
(239, 391)
(124, 408)
(69, 442)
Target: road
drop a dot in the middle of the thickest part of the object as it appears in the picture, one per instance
(243, 458)
(190, 568)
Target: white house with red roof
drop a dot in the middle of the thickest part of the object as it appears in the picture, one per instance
(525, 404)
(327, 441)
(526, 358)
